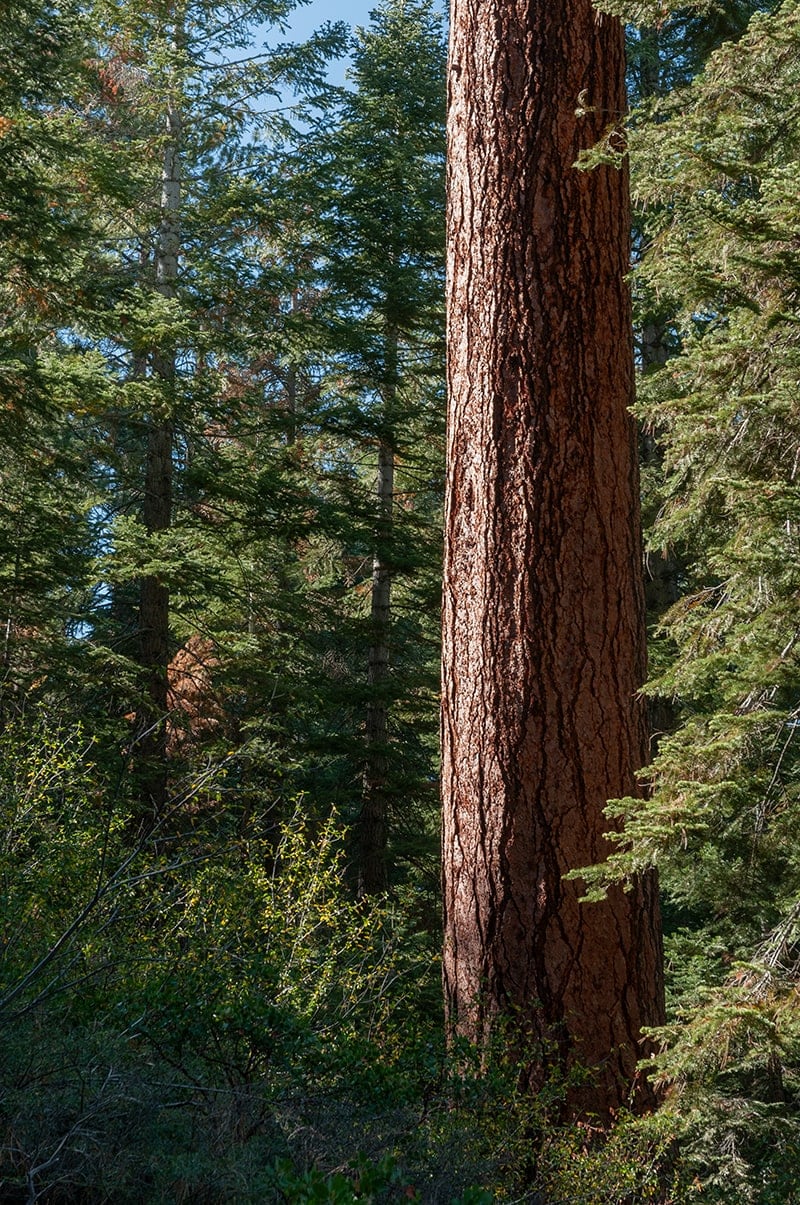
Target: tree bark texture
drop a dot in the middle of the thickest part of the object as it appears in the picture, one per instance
(543, 609)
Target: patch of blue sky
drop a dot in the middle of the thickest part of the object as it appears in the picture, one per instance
(306, 18)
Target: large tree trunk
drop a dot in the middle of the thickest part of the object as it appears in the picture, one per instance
(154, 651)
(543, 608)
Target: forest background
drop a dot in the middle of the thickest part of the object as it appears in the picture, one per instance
(221, 448)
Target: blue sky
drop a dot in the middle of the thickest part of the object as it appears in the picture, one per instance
(308, 17)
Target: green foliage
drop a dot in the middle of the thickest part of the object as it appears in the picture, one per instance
(238, 969)
(200, 1011)
(364, 226)
(636, 1162)
(368, 1182)
(722, 248)
(51, 857)
(209, 1015)
(704, 22)
(720, 816)
(268, 965)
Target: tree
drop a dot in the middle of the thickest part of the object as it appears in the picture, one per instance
(384, 253)
(374, 183)
(543, 609)
(48, 387)
(664, 53)
(717, 169)
(157, 501)
(180, 262)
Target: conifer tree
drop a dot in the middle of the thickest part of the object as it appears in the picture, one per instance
(664, 53)
(717, 169)
(376, 190)
(176, 104)
(49, 385)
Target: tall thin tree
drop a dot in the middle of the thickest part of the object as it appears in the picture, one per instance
(154, 616)
(543, 607)
(377, 183)
(179, 82)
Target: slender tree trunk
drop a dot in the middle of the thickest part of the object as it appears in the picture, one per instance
(543, 602)
(291, 388)
(661, 569)
(661, 573)
(157, 510)
(9, 630)
(374, 820)
(661, 588)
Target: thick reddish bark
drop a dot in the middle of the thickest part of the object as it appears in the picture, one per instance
(543, 608)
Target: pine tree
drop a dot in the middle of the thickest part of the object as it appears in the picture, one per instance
(375, 187)
(175, 104)
(664, 54)
(717, 169)
(49, 386)
(543, 619)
